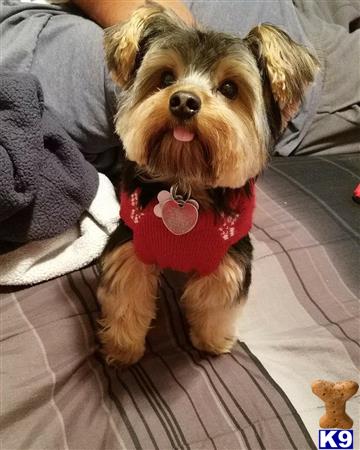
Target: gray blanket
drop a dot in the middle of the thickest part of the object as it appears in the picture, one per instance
(45, 182)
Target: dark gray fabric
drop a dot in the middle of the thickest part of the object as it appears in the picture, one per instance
(340, 12)
(65, 52)
(336, 125)
(45, 182)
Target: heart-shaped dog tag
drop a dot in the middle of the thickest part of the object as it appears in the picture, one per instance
(179, 218)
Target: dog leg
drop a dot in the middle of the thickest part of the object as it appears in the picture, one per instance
(127, 293)
(213, 305)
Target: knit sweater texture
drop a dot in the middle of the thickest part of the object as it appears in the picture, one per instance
(200, 250)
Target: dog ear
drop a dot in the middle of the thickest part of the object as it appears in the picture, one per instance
(125, 42)
(288, 66)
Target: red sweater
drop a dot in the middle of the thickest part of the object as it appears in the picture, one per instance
(200, 250)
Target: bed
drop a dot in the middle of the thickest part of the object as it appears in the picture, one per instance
(301, 323)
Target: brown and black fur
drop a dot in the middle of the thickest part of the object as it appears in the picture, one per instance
(245, 92)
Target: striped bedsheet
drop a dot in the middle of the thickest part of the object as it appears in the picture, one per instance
(300, 323)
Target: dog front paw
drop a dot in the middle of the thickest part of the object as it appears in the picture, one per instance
(119, 352)
(216, 345)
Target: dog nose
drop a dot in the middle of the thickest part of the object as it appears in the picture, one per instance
(184, 105)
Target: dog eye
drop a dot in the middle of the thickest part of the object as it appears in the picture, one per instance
(167, 79)
(228, 89)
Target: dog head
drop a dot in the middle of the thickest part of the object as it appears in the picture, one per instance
(203, 107)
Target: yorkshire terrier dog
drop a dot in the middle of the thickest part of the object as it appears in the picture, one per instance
(198, 116)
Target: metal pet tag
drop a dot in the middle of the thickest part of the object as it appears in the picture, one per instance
(178, 215)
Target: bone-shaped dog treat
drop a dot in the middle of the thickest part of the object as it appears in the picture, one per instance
(335, 395)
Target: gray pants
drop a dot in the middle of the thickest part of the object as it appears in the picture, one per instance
(64, 50)
(336, 125)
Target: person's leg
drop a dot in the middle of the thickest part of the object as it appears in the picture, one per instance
(340, 12)
(336, 125)
(65, 52)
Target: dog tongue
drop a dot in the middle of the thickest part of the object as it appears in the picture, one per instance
(183, 135)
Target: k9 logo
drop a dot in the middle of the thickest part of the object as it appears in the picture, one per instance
(338, 439)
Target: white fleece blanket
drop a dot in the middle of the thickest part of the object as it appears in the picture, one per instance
(42, 260)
